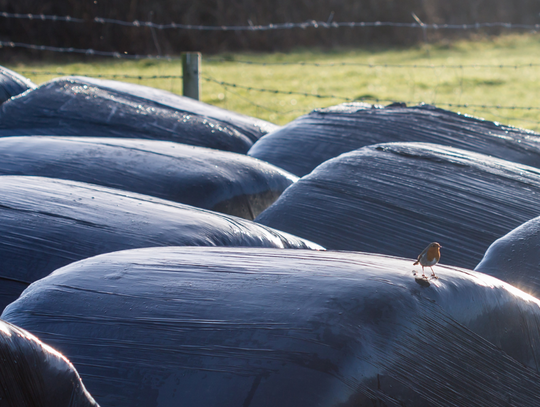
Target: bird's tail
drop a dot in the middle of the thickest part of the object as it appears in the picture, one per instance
(416, 262)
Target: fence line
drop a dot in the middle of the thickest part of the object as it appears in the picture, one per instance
(227, 89)
(476, 108)
(235, 88)
(272, 26)
(125, 55)
(366, 65)
(462, 105)
(229, 85)
(89, 52)
(276, 91)
(114, 76)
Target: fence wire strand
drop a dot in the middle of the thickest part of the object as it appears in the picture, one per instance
(368, 65)
(88, 52)
(347, 99)
(112, 76)
(276, 91)
(234, 88)
(125, 55)
(272, 26)
(230, 85)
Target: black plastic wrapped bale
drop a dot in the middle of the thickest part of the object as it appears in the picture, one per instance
(396, 198)
(12, 84)
(32, 374)
(308, 141)
(79, 106)
(211, 179)
(515, 258)
(47, 223)
(291, 328)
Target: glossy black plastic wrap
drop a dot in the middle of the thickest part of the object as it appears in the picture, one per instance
(12, 84)
(211, 179)
(515, 258)
(80, 106)
(32, 374)
(308, 141)
(47, 223)
(222, 327)
(395, 198)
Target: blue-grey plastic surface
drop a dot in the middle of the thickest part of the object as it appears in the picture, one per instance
(80, 106)
(211, 179)
(32, 374)
(12, 84)
(306, 142)
(515, 257)
(47, 223)
(199, 326)
(396, 198)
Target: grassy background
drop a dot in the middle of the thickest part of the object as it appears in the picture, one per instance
(444, 83)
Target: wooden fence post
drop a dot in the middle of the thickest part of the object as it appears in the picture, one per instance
(191, 67)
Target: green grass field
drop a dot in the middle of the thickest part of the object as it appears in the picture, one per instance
(445, 75)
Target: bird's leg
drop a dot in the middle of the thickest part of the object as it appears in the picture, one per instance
(432, 272)
(423, 274)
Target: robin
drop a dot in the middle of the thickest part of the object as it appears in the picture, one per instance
(429, 257)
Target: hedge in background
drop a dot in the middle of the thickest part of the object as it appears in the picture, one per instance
(108, 37)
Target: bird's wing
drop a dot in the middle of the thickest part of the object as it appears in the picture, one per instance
(423, 252)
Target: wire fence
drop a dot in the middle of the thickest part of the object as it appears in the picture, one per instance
(277, 26)
(247, 92)
(274, 91)
(87, 52)
(96, 75)
(125, 55)
(367, 65)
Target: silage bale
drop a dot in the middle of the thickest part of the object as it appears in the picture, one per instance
(308, 141)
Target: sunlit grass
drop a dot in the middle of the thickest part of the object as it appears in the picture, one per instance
(442, 86)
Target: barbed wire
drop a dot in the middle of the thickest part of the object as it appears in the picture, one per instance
(376, 100)
(114, 76)
(235, 85)
(90, 52)
(367, 65)
(504, 118)
(234, 88)
(472, 109)
(271, 26)
(257, 105)
(277, 91)
(125, 55)
(482, 106)
(42, 17)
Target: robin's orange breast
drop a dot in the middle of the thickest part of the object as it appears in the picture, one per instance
(433, 254)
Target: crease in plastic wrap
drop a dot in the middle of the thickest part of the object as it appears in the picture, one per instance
(306, 142)
(515, 258)
(254, 327)
(32, 374)
(211, 179)
(13, 84)
(395, 198)
(48, 223)
(80, 106)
